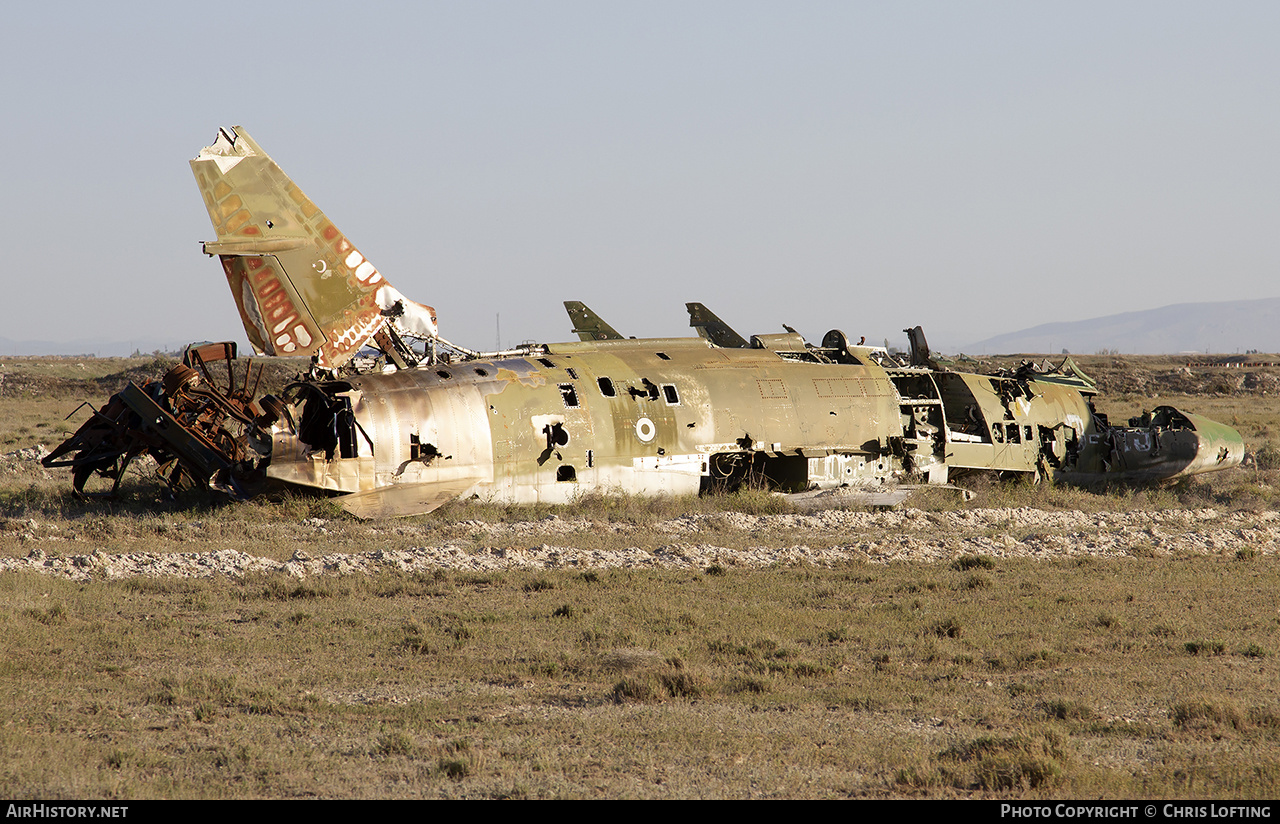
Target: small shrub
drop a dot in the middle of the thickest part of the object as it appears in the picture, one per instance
(1264, 717)
(455, 768)
(1035, 657)
(394, 743)
(672, 682)
(1267, 457)
(1066, 710)
(639, 688)
(914, 777)
(948, 628)
(55, 614)
(457, 761)
(681, 684)
(747, 684)
(284, 588)
(997, 774)
(1004, 764)
(1204, 713)
(967, 562)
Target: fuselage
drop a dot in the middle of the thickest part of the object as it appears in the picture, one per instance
(676, 416)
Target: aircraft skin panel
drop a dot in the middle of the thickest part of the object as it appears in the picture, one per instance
(412, 426)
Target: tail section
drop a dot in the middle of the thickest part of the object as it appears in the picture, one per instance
(713, 329)
(587, 325)
(301, 287)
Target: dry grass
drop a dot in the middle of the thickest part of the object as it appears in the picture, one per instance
(788, 682)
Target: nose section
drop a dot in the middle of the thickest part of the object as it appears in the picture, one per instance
(1219, 446)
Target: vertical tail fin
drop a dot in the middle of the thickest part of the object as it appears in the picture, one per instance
(713, 329)
(587, 325)
(301, 287)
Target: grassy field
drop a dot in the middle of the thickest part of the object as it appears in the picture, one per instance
(1140, 673)
(1127, 677)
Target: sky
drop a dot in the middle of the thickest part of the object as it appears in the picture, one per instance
(974, 167)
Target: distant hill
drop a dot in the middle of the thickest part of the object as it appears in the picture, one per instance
(1232, 326)
(83, 346)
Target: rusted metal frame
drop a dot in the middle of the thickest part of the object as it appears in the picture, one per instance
(81, 474)
(247, 392)
(201, 356)
(384, 342)
(107, 446)
(106, 427)
(224, 404)
(195, 356)
(202, 458)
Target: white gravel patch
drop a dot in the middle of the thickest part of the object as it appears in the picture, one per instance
(825, 539)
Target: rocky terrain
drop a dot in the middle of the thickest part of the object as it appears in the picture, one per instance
(823, 539)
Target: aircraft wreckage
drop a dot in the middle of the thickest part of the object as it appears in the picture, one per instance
(395, 420)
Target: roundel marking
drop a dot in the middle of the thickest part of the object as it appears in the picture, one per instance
(645, 430)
